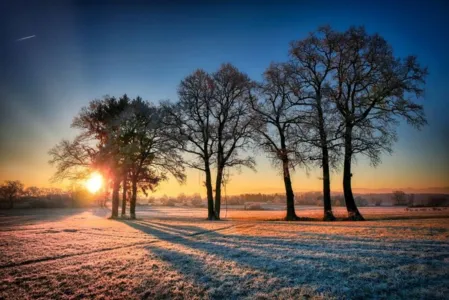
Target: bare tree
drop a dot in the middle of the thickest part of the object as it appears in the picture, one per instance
(213, 125)
(73, 159)
(233, 130)
(372, 89)
(399, 198)
(277, 113)
(312, 65)
(11, 190)
(33, 191)
(193, 123)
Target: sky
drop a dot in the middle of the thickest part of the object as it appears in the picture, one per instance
(79, 51)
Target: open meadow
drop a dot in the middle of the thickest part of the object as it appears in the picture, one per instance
(174, 253)
(224, 150)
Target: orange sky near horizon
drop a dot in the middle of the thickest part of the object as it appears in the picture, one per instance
(396, 172)
(413, 164)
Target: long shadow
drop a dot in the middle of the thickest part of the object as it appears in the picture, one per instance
(350, 224)
(362, 242)
(342, 246)
(286, 265)
(205, 274)
(184, 230)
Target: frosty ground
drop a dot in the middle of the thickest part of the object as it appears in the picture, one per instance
(174, 253)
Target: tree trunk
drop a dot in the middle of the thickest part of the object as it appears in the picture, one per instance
(115, 198)
(218, 192)
(353, 212)
(124, 192)
(210, 197)
(291, 215)
(104, 198)
(132, 203)
(328, 215)
(327, 203)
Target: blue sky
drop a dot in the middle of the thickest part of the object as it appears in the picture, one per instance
(83, 51)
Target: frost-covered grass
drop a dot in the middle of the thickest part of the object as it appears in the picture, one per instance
(174, 253)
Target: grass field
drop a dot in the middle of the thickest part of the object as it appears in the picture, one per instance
(173, 253)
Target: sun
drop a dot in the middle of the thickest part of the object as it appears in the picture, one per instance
(94, 183)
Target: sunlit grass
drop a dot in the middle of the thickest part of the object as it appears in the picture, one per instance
(80, 254)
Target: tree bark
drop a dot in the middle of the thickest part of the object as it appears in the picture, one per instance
(353, 212)
(291, 214)
(327, 202)
(115, 198)
(132, 203)
(218, 192)
(210, 197)
(124, 192)
(328, 215)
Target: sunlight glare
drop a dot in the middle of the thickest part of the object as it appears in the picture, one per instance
(94, 183)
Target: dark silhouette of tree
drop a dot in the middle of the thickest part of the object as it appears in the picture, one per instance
(372, 89)
(33, 191)
(100, 122)
(213, 125)
(276, 112)
(11, 190)
(125, 197)
(312, 65)
(125, 140)
(233, 130)
(399, 198)
(192, 121)
(147, 148)
(73, 159)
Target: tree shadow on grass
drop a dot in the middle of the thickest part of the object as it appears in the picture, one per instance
(235, 266)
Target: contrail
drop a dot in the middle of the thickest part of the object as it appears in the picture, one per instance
(25, 38)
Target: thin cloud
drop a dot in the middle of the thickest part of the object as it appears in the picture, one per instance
(25, 38)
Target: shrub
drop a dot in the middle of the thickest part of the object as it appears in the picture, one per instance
(399, 198)
(360, 201)
(170, 202)
(437, 201)
(197, 202)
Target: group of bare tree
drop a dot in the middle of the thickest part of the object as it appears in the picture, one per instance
(214, 126)
(125, 140)
(340, 94)
(11, 190)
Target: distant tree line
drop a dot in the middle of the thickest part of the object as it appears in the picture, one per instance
(195, 200)
(340, 94)
(13, 193)
(313, 198)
